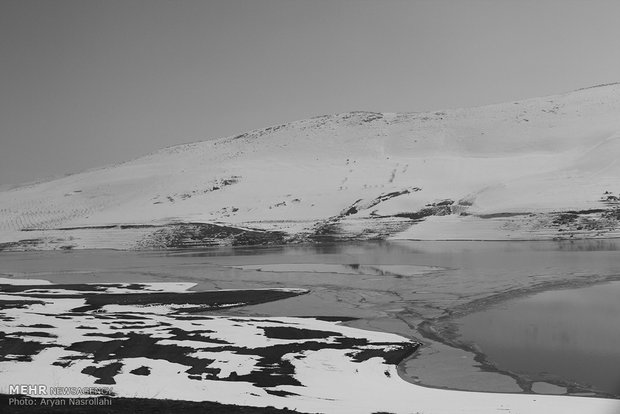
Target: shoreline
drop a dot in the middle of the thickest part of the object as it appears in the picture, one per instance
(35, 245)
(439, 221)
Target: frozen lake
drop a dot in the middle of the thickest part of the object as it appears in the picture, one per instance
(415, 289)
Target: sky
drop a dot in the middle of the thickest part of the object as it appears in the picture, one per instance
(87, 83)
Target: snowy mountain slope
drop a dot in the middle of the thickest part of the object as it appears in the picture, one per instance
(512, 170)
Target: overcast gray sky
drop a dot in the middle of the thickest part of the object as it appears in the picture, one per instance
(84, 83)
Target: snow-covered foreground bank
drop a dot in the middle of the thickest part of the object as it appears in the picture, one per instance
(72, 336)
(541, 168)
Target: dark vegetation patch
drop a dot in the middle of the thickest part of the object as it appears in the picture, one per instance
(502, 215)
(333, 318)
(198, 336)
(353, 209)
(610, 199)
(598, 220)
(442, 203)
(272, 368)
(280, 393)
(391, 356)
(215, 186)
(191, 318)
(142, 345)
(441, 208)
(40, 326)
(128, 316)
(330, 230)
(275, 369)
(17, 349)
(589, 211)
(62, 363)
(144, 371)
(288, 332)
(105, 374)
(565, 218)
(244, 320)
(252, 134)
(333, 231)
(598, 86)
(25, 244)
(130, 405)
(272, 129)
(420, 214)
(102, 227)
(613, 214)
(77, 287)
(107, 353)
(39, 334)
(18, 304)
(201, 370)
(106, 335)
(359, 116)
(358, 205)
(371, 116)
(195, 235)
(132, 324)
(135, 226)
(200, 301)
(174, 236)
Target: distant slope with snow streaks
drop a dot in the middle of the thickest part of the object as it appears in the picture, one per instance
(535, 169)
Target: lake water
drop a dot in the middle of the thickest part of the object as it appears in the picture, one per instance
(570, 335)
(395, 287)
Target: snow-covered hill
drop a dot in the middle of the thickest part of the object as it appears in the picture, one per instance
(539, 168)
